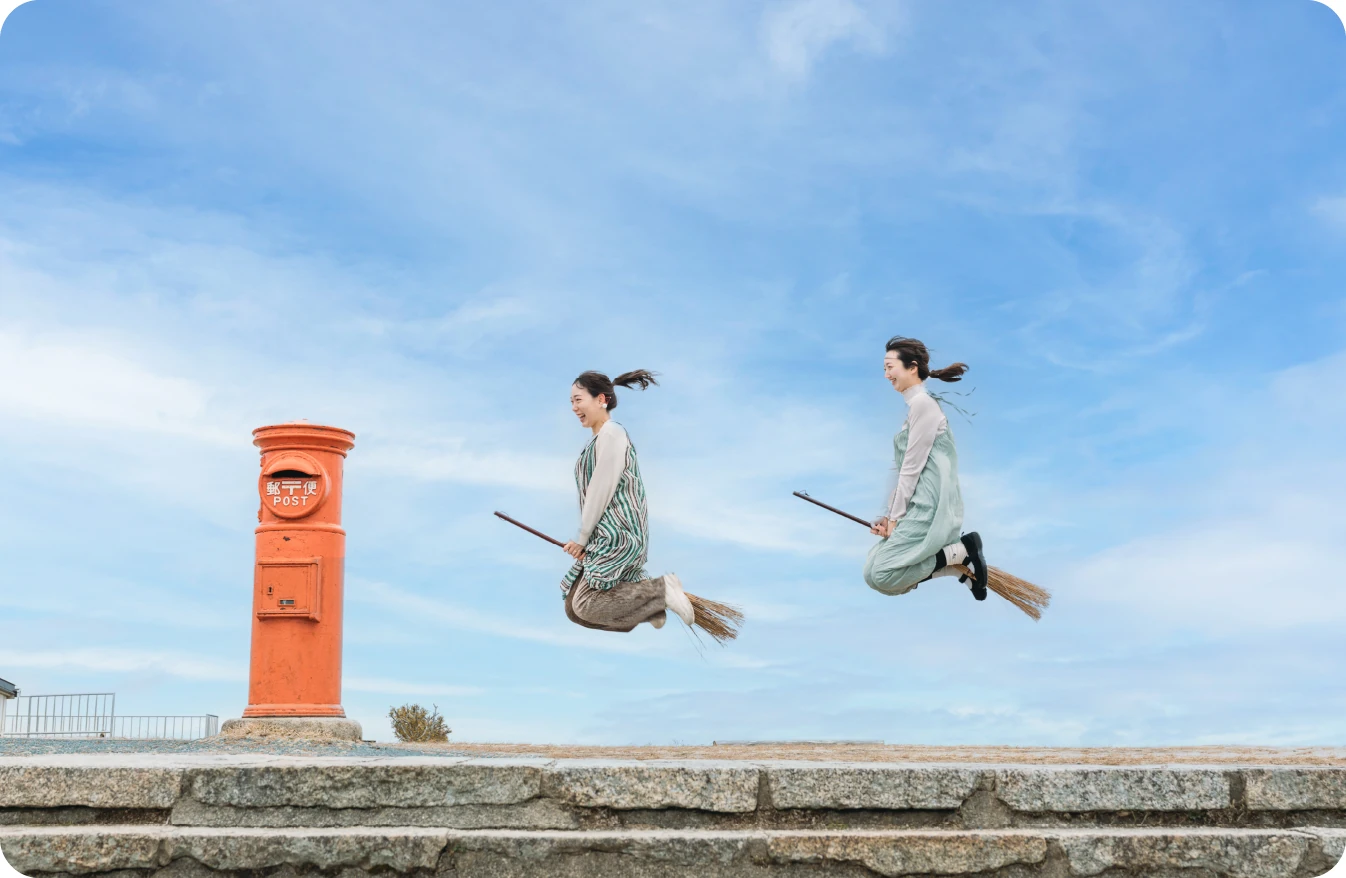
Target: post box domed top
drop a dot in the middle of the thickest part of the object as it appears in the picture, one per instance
(303, 435)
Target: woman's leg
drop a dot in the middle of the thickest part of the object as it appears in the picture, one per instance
(890, 575)
(575, 589)
(620, 608)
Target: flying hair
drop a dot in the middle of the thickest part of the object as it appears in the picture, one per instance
(595, 383)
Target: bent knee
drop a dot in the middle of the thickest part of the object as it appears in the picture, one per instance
(892, 582)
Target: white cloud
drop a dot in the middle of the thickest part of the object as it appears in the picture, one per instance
(391, 686)
(112, 660)
(88, 380)
(1332, 209)
(799, 33)
(1261, 547)
(564, 634)
(450, 460)
(1225, 576)
(486, 318)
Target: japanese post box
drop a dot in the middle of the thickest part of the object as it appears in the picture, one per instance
(298, 577)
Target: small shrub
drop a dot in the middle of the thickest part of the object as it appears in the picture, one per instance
(411, 722)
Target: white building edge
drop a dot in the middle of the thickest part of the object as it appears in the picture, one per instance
(7, 691)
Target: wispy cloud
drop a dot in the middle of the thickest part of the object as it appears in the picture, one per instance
(1332, 209)
(798, 33)
(109, 660)
(89, 380)
(391, 686)
(563, 634)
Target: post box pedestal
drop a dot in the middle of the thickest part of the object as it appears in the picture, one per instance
(318, 728)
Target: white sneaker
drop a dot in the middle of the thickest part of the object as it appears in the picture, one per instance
(676, 600)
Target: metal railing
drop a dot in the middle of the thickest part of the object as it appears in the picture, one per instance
(94, 715)
(86, 714)
(183, 728)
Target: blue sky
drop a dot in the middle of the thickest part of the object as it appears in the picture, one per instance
(419, 221)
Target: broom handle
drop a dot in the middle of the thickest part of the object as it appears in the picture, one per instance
(536, 533)
(804, 496)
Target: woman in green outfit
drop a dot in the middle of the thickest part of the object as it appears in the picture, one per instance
(925, 512)
(607, 587)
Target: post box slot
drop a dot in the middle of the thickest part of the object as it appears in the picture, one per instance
(292, 474)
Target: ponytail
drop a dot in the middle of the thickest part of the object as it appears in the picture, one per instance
(950, 373)
(596, 383)
(642, 377)
(914, 353)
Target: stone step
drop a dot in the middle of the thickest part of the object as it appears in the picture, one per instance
(561, 794)
(144, 851)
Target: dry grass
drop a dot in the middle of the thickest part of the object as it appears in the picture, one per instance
(859, 752)
(414, 724)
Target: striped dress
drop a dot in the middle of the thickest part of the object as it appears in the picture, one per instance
(617, 548)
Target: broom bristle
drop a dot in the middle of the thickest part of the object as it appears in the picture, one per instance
(720, 621)
(1030, 598)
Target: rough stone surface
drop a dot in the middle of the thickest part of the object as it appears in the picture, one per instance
(669, 847)
(404, 783)
(534, 814)
(313, 728)
(107, 786)
(401, 849)
(662, 853)
(1112, 789)
(1295, 789)
(1239, 853)
(77, 816)
(86, 850)
(81, 850)
(1333, 841)
(930, 853)
(284, 816)
(706, 786)
(819, 785)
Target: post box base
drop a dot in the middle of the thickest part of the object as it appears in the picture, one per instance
(312, 728)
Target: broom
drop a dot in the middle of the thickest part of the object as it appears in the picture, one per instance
(1023, 594)
(720, 621)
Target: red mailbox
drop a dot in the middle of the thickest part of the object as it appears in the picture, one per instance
(298, 579)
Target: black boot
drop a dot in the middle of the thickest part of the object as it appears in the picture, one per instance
(976, 559)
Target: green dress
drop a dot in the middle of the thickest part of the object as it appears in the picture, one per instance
(619, 546)
(934, 519)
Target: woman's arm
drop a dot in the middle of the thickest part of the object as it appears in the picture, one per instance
(923, 425)
(609, 463)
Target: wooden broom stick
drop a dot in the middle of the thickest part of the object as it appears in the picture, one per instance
(536, 533)
(1030, 598)
(719, 620)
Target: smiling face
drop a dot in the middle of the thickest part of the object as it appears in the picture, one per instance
(898, 375)
(591, 410)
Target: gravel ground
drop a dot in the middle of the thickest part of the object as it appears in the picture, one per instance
(286, 747)
(820, 752)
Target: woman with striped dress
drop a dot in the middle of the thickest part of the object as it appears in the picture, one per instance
(607, 587)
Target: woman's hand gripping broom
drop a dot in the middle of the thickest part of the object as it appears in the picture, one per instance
(1025, 595)
(720, 621)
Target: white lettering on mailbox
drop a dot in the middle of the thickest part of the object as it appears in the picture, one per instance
(282, 493)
